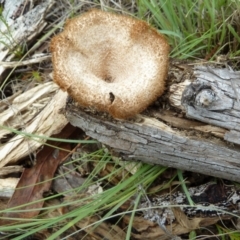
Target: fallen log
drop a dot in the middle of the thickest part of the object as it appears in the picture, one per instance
(165, 136)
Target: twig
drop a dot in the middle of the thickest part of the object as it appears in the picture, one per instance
(36, 59)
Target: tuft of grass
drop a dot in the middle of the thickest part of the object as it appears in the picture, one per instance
(109, 201)
(196, 28)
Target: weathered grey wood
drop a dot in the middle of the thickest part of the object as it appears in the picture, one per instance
(213, 98)
(151, 141)
(18, 27)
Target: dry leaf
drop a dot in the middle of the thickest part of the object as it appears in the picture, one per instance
(101, 230)
(37, 180)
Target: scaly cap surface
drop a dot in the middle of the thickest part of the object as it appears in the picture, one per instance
(111, 62)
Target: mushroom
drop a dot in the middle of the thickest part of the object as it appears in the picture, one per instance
(110, 62)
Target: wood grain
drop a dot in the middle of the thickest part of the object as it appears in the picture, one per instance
(197, 146)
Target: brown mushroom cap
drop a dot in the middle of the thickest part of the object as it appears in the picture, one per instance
(110, 62)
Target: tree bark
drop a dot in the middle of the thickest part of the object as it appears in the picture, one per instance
(166, 136)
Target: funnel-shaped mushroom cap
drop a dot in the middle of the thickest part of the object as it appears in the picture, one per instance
(110, 62)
